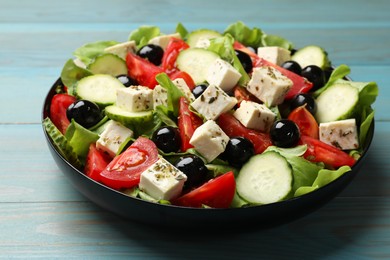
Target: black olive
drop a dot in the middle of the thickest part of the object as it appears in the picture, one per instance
(245, 60)
(195, 169)
(85, 113)
(302, 99)
(152, 53)
(238, 151)
(284, 133)
(292, 66)
(315, 75)
(199, 89)
(167, 139)
(127, 81)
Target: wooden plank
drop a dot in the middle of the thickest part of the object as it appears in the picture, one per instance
(29, 173)
(343, 229)
(202, 11)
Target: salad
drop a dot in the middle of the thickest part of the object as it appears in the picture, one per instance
(209, 119)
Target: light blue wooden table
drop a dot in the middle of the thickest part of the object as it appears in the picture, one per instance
(43, 216)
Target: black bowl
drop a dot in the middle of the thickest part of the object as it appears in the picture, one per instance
(263, 216)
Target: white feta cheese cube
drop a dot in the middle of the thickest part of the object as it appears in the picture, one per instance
(269, 85)
(276, 55)
(209, 140)
(163, 40)
(202, 42)
(342, 134)
(162, 180)
(255, 116)
(122, 49)
(112, 137)
(182, 85)
(213, 102)
(160, 96)
(135, 98)
(222, 74)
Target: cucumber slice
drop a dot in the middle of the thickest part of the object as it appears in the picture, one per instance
(337, 102)
(311, 55)
(137, 121)
(61, 143)
(100, 88)
(196, 37)
(108, 63)
(196, 62)
(265, 178)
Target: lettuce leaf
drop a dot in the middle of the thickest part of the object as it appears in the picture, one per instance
(324, 177)
(181, 30)
(174, 94)
(89, 51)
(245, 35)
(223, 46)
(255, 37)
(71, 73)
(144, 34)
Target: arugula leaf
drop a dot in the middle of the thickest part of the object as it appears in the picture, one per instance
(144, 34)
(71, 73)
(89, 51)
(245, 35)
(223, 46)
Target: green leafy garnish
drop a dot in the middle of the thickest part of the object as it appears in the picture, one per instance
(71, 73)
(143, 35)
(89, 51)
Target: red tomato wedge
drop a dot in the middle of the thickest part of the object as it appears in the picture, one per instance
(233, 128)
(96, 162)
(300, 84)
(318, 151)
(174, 47)
(143, 71)
(185, 76)
(240, 93)
(58, 107)
(305, 121)
(187, 122)
(216, 193)
(124, 171)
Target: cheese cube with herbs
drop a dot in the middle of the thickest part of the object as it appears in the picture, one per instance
(122, 49)
(255, 116)
(111, 139)
(162, 180)
(209, 140)
(135, 98)
(160, 96)
(163, 40)
(182, 85)
(342, 134)
(276, 55)
(213, 102)
(222, 74)
(269, 85)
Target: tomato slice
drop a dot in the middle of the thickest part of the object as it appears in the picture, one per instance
(305, 121)
(124, 171)
(143, 71)
(216, 193)
(318, 151)
(96, 162)
(240, 93)
(233, 128)
(185, 76)
(187, 122)
(58, 106)
(174, 47)
(300, 84)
